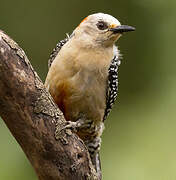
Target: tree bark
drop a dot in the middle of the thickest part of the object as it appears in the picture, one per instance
(34, 120)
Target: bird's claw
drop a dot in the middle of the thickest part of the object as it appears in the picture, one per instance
(71, 125)
(75, 126)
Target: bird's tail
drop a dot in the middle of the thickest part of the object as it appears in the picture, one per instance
(96, 163)
(93, 147)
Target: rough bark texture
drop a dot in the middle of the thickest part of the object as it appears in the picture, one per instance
(33, 119)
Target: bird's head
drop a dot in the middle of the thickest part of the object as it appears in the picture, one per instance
(101, 29)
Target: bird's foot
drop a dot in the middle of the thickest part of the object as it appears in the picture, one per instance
(73, 126)
(79, 124)
(65, 127)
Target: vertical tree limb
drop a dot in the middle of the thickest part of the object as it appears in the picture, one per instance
(32, 117)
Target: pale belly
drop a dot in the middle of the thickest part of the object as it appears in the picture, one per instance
(87, 97)
(84, 98)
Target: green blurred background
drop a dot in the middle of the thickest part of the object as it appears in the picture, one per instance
(139, 139)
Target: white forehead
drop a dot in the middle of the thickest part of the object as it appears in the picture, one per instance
(104, 17)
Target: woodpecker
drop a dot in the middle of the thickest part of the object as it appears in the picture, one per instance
(83, 77)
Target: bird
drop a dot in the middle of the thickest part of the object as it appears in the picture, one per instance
(83, 77)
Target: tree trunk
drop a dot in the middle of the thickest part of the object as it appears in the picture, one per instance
(34, 120)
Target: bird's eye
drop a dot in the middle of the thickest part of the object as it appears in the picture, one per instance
(102, 25)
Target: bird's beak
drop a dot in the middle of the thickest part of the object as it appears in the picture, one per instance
(121, 29)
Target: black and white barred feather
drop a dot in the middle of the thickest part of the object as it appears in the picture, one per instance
(112, 85)
(56, 50)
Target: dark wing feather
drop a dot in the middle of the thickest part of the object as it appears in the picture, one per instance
(56, 50)
(112, 85)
